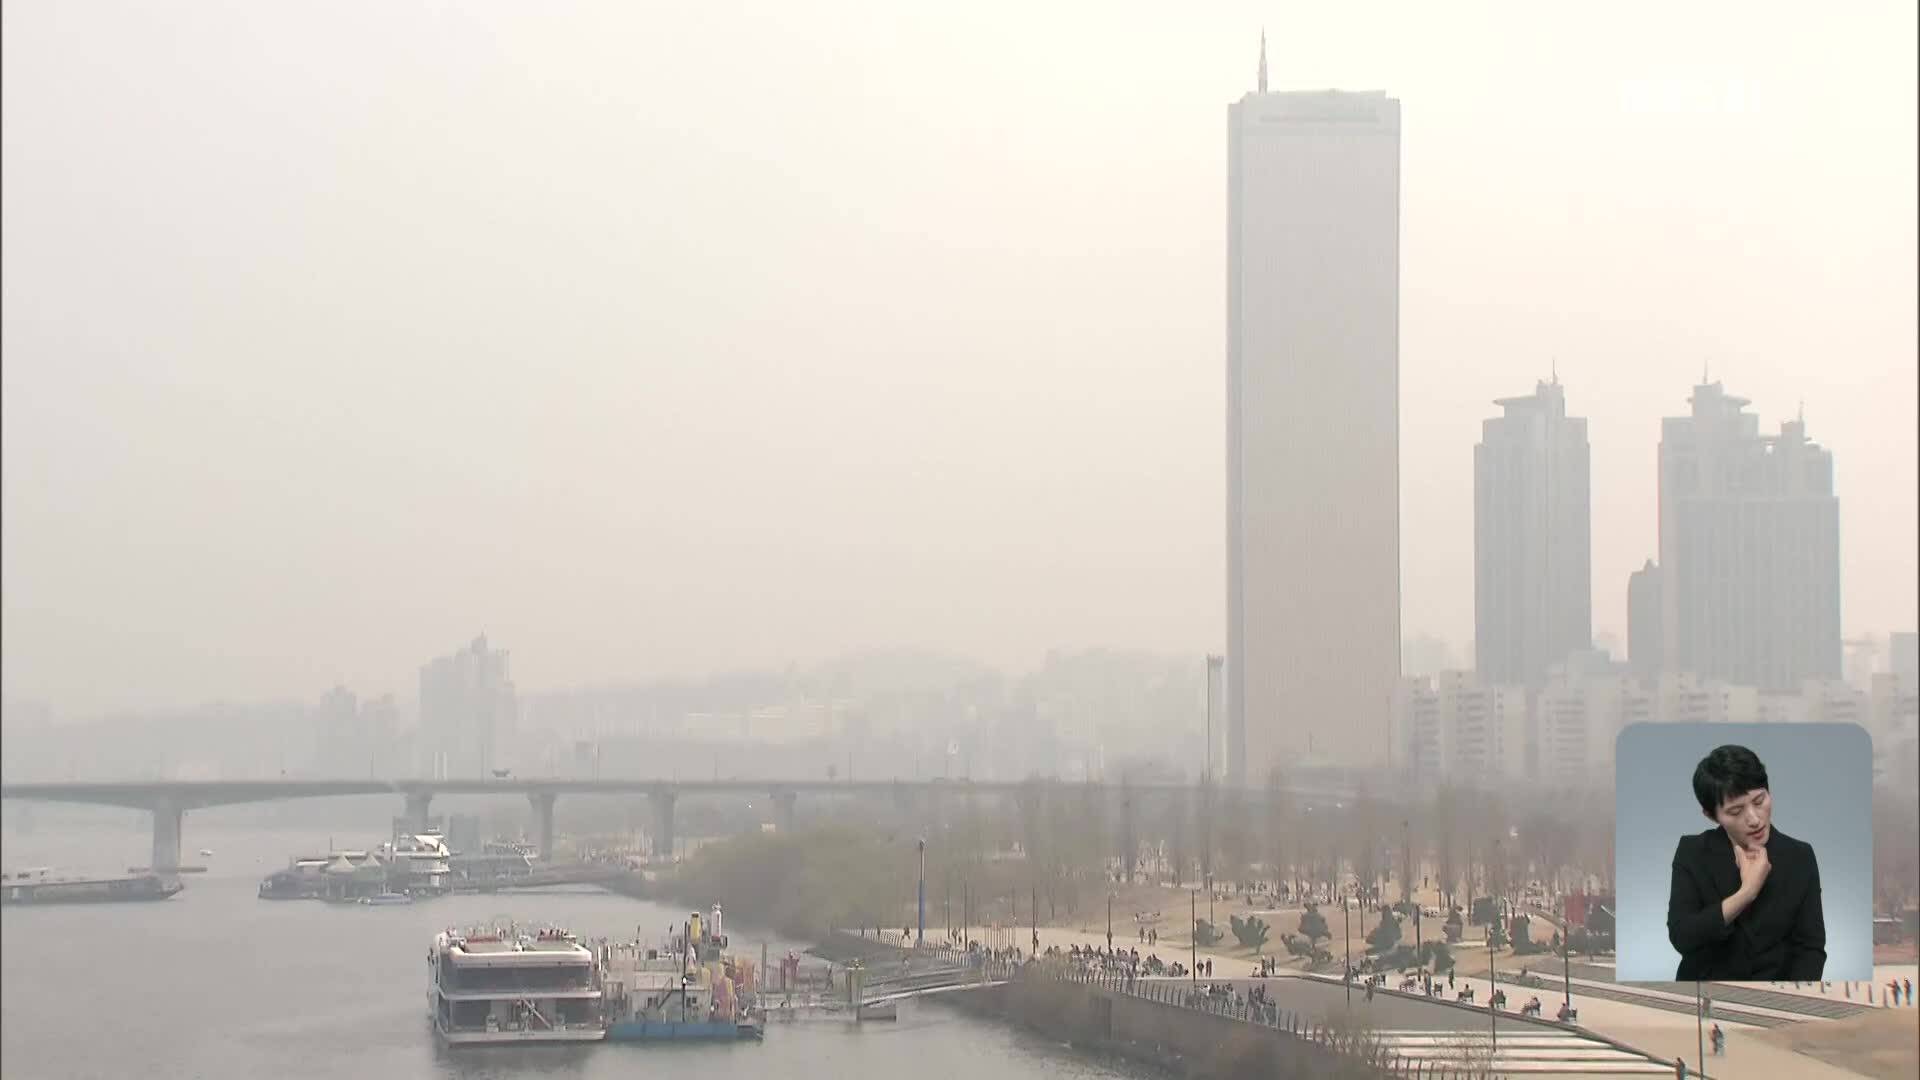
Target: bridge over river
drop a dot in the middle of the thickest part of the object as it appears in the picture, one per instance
(169, 800)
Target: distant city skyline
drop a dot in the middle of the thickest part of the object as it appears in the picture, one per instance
(654, 367)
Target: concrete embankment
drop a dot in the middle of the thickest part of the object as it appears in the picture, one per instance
(1187, 1042)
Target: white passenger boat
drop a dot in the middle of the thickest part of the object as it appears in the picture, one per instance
(418, 863)
(504, 985)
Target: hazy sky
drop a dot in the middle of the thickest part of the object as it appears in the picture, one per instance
(654, 340)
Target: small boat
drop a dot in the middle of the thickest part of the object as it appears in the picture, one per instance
(386, 898)
(206, 853)
(42, 885)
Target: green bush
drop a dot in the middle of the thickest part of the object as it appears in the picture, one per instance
(1588, 942)
(1523, 943)
(1314, 925)
(1205, 933)
(1250, 931)
(1435, 955)
(1386, 935)
(1400, 959)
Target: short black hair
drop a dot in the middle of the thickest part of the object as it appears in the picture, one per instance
(1727, 773)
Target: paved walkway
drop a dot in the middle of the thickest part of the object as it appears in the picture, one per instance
(1834, 999)
(1665, 1032)
(1544, 1054)
(1668, 1035)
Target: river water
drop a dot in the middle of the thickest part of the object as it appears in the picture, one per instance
(217, 984)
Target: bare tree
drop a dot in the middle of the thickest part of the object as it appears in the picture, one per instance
(1209, 835)
(1554, 846)
(1235, 836)
(1178, 830)
(1447, 840)
(1275, 846)
(1363, 839)
(1093, 841)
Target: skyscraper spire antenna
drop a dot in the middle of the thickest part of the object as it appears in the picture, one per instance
(1263, 59)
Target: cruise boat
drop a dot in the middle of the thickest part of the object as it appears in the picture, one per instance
(504, 985)
(419, 864)
(498, 863)
(340, 876)
(44, 885)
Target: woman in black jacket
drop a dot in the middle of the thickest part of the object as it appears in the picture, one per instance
(1745, 903)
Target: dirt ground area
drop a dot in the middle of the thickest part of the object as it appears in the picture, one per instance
(1884, 1045)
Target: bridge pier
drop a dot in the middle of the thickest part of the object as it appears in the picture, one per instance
(662, 802)
(166, 837)
(783, 803)
(542, 803)
(418, 802)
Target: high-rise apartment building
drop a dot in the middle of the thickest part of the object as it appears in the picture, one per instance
(1749, 548)
(1313, 447)
(467, 712)
(1532, 539)
(1645, 610)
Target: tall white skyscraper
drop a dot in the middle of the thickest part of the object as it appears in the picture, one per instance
(1313, 428)
(1532, 564)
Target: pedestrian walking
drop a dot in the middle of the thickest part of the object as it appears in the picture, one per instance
(1909, 985)
(1719, 1041)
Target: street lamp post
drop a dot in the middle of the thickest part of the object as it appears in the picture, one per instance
(1566, 963)
(1493, 1014)
(1109, 922)
(1699, 1030)
(1193, 940)
(1346, 918)
(920, 927)
(1406, 865)
(1406, 881)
